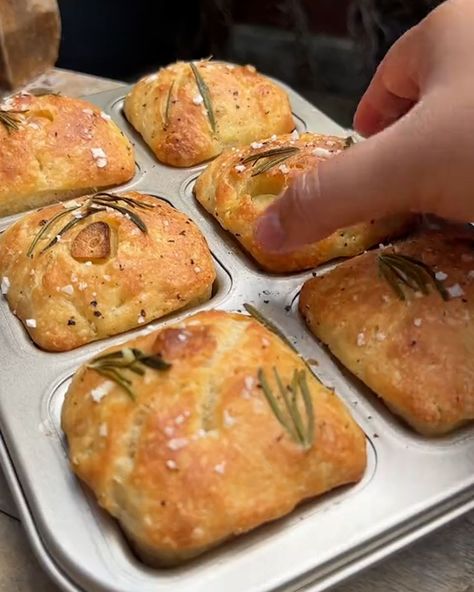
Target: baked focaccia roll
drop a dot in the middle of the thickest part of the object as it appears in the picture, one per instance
(201, 446)
(401, 319)
(54, 147)
(240, 184)
(189, 112)
(97, 266)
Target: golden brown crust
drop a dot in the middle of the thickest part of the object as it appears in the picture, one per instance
(235, 196)
(75, 301)
(166, 108)
(51, 155)
(418, 355)
(198, 456)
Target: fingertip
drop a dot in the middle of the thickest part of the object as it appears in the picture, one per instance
(368, 120)
(269, 233)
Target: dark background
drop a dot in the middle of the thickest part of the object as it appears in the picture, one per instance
(325, 49)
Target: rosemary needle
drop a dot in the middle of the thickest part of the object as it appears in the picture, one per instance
(402, 272)
(287, 403)
(114, 364)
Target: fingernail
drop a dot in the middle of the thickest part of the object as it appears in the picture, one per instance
(269, 232)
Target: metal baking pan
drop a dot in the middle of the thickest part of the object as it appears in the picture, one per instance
(412, 485)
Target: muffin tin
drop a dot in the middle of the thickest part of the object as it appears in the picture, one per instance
(411, 486)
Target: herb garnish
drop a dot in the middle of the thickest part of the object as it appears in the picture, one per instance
(168, 103)
(402, 271)
(97, 203)
(205, 94)
(348, 142)
(285, 405)
(10, 120)
(271, 158)
(113, 366)
(257, 315)
(42, 91)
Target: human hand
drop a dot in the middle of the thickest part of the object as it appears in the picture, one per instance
(418, 113)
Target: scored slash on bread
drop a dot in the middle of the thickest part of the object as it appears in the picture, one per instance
(205, 448)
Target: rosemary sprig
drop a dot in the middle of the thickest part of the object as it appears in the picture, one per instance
(286, 408)
(348, 142)
(97, 203)
(271, 158)
(41, 91)
(282, 151)
(168, 103)
(402, 271)
(135, 218)
(205, 94)
(46, 227)
(10, 120)
(114, 364)
(257, 315)
(134, 203)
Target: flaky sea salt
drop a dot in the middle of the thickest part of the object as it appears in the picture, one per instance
(249, 382)
(360, 339)
(455, 291)
(171, 464)
(284, 169)
(220, 468)
(256, 145)
(229, 420)
(417, 322)
(88, 111)
(322, 152)
(240, 168)
(379, 336)
(101, 391)
(441, 276)
(100, 157)
(198, 100)
(68, 289)
(141, 319)
(177, 443)
(31, 323)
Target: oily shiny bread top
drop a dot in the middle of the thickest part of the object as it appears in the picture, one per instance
(416, 353)
(73, 278)
(194, 454)
(189, 112)
(54, 147)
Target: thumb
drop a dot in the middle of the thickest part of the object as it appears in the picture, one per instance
(370, 180)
